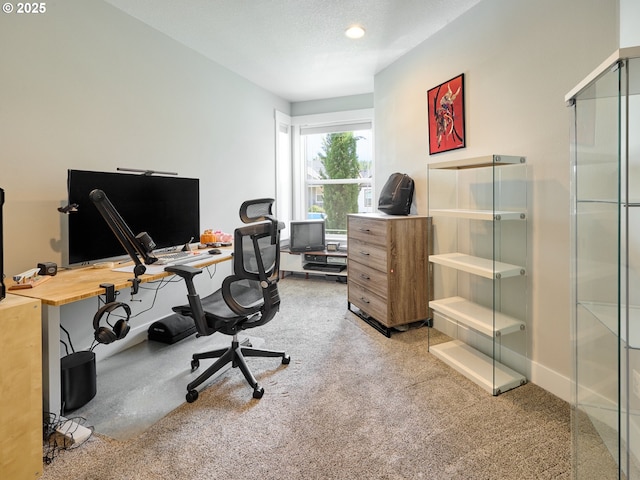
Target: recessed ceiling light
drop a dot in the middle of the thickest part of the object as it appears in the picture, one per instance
(354, 31)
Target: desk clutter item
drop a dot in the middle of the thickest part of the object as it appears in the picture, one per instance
(34, 277)
(47, 268)
(30, 278)
(209, 236)
(30, 282)
(171, 329)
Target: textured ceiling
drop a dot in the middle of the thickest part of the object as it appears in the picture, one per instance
(297, 48)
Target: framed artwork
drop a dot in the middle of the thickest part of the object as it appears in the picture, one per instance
(445, 109)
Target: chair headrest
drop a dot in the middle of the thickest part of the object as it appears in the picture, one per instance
(257, 210)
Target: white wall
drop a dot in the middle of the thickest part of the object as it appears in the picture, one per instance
(330, 105)
(85, 86)
(519, 59)
(629, 15)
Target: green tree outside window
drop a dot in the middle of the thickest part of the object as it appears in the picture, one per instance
(340, 161)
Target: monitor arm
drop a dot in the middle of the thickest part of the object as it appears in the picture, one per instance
(132, 244)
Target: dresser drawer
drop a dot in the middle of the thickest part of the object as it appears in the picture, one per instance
(368, 278)
(367, 230)
(374, 256)
(368, 302)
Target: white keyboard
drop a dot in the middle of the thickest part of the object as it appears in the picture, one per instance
(179, 258)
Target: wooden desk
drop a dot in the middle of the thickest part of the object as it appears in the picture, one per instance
(73, 285)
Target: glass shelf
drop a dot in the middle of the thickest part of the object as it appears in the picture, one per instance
(494, 377)
(482, 267)
(605, 191)
(475, 316)
(479, 213)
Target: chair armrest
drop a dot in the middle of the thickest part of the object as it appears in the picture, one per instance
(195, 305)
(185, 271)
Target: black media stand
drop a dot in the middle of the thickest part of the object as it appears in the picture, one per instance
(322, 262)
(324, 267)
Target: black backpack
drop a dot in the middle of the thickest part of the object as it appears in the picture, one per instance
(397, 194)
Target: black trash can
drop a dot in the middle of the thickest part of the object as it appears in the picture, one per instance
(78, 379)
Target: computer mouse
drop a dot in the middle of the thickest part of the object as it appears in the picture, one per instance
(215, 251)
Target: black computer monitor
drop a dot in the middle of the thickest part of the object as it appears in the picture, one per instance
(166, 207)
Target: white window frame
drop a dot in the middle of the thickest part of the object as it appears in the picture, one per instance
(324, 123)
(284, 176)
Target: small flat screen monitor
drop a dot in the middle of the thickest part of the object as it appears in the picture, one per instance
(307, 236)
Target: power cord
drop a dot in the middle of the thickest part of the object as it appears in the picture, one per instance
(60, 433)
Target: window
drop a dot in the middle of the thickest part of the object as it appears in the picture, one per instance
(333, 168)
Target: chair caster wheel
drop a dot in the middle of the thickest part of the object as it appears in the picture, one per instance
(258, 392)
(195, 364)
(192, 396)
(286, 359)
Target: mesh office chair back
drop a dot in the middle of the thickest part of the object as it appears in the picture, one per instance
(247, 299)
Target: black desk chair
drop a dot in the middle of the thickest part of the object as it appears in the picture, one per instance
(247, 299)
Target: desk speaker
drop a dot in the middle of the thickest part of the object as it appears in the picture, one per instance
(47, 268)
(78, 379)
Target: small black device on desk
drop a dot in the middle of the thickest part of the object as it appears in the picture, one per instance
(215, 251)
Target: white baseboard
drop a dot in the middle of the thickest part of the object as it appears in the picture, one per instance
(550, 380)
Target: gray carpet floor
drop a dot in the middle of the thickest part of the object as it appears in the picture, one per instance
(139, 386)
(352, 404)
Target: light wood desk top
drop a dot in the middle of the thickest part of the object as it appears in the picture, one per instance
(76, 284)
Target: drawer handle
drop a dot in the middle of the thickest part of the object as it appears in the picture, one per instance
(365, 230)
(364, 253)
(365, 277)
(364, 300)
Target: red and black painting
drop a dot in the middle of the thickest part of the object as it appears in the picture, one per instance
(445, 108)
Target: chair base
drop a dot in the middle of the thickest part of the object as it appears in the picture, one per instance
(234, 355)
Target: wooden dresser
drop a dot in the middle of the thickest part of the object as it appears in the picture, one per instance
(388, 269)
(21, 388)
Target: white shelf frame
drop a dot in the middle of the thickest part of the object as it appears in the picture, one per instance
(477, 162)
(477, 317)
(482, 267)
(491, 375)
(477, 214)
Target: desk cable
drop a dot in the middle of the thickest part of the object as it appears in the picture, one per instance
(66, 347)
(157, 285)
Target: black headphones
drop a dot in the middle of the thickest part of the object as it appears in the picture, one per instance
(105, 334)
